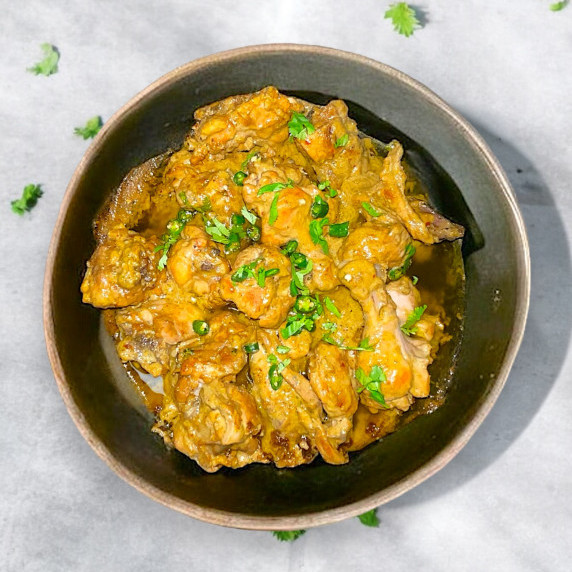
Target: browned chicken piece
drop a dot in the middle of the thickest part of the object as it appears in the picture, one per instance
(439, 226)
(197, 265)
(242, 121)
(133, 199)
(149, 332)
(331, 374)
(259, 285)
(219, 354)
(293, 430)
(369, 427)
(403, 361)
(206, 185)
(292, 219)
(121, 271)
(206, 414)
(382, 243)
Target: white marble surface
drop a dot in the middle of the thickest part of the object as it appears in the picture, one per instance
(505, 502)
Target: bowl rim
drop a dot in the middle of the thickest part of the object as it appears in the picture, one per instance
(243, 521)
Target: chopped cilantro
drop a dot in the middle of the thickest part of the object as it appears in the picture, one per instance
(288, 535)
(273, 187)
(275, 376)
(273, 213)
(300, 126)
(28, 200)
(332, 307)
(370, 210)
(399, 271)
(248, 215)
(49, 65)
(372, 383)
(557, 6)
(342, 141)
(91, 128)
(326, 187)
(282, 349)
(409, 328)
(339, 230)
(317, 231)
(369, 518)
(403, 17)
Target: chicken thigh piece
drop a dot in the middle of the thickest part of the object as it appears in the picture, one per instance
(121, 271)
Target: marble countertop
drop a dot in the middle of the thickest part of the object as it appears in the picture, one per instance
(505, 502)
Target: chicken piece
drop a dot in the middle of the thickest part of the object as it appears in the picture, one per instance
(121, 271)
(440, 227)
(268, 303)
(293, 429)
(133, 199)
(382, 243)
(206, 185)
(149, 332)
(331, 377)
(242, 121)
(197, 265)
(403, 361)
(293, 219)
(369, 427)
(217, 355)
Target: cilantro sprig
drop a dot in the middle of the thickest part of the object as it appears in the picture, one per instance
(398, 271)
(372, 383)
(409, 328)
(91, 128)
(403, 17)
(300, 126)
(288, 535)
(28, 200)
(250, 270)
(49, 65)
(369, 518)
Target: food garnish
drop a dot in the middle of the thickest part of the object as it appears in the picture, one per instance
(28, 200)
(300, 126)
(403, 18)
(91, 128)
(49, 65)
(288, 535)
(409, 328)
(369, 518)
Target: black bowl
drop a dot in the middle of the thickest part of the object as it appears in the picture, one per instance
(467, 184)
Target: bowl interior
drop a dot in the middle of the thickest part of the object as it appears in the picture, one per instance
(496, 264)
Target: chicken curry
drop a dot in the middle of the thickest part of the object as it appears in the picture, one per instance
(263, 271)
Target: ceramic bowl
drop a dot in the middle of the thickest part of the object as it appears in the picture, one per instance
(466, 183)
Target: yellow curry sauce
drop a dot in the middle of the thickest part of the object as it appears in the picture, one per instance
(263, 271)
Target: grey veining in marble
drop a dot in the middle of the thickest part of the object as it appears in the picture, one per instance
(505, 502)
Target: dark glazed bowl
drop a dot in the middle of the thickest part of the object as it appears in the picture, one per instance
(497, 292)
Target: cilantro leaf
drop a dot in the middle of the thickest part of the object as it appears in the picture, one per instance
(372, 383)
(248, 215)
(398, 271)
(49, 65)
(288, 535)
(326, 187)
(28, 200)
(403, 17)
(300, 126)
(273, 187)
(370, 210)
(557, 6)
(91, 128)
(342, 141)
(217, 231)
(369, 518)
(409, 328)
(317, 231)
(282, 349)
(273, 213)
(332, 307)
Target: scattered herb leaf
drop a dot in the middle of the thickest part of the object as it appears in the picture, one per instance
(370, 210)
(409, 328)
(49, 65)
(28, 200)
(557, 6)
(273, 213)
(326, 187)
(399, 271)
(91, 128)
(282, 349)
(300, 126)
(317, 231)
(288, 535)
(372, 383)
(248, 215)
(339, 230)
(332, 307)
(369, 518)
(403, 17)
(342, 141)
